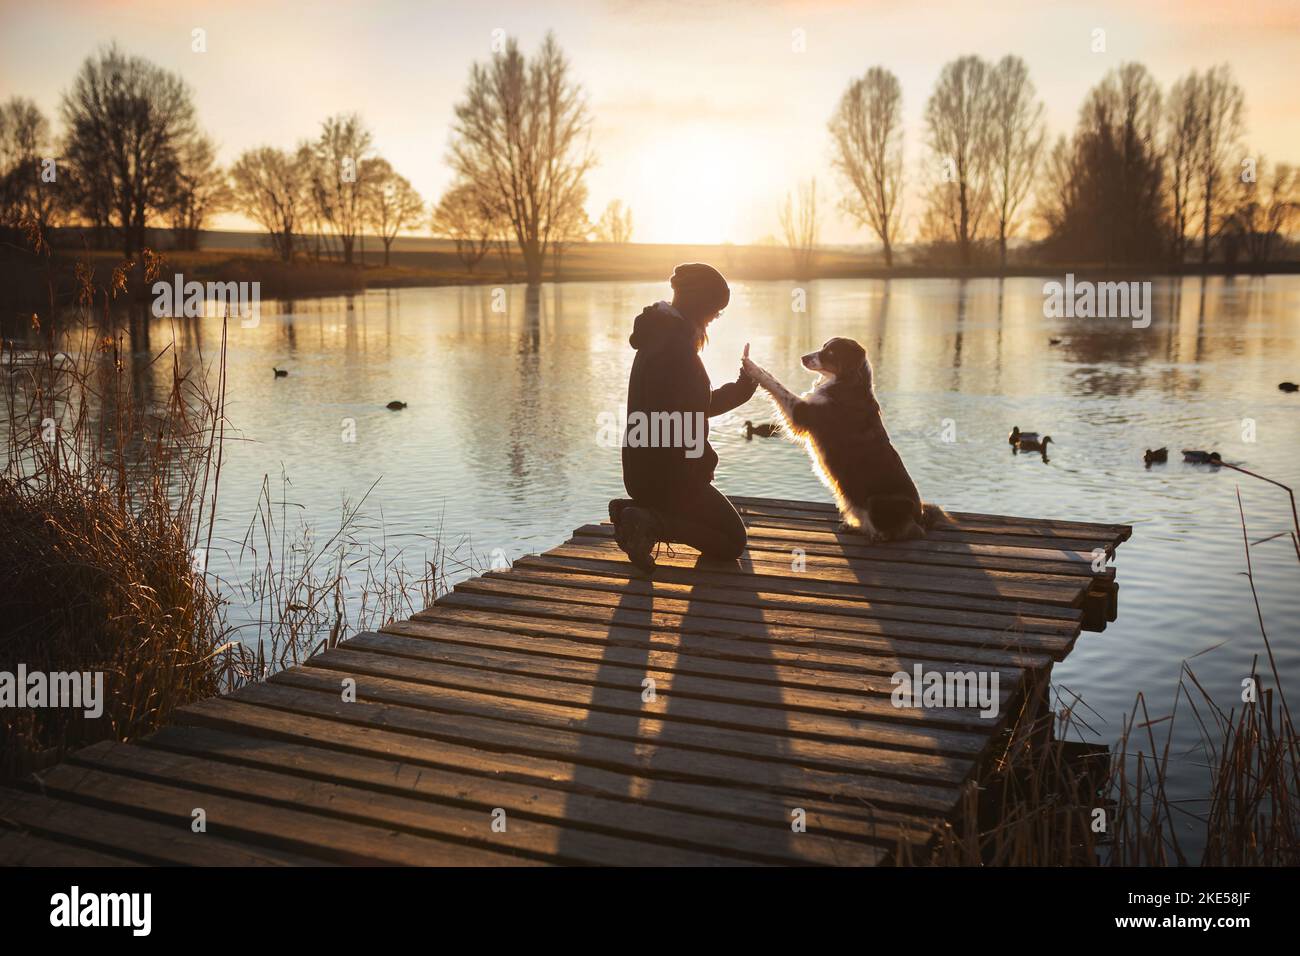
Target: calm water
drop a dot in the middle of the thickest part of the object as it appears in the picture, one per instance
(498, 447)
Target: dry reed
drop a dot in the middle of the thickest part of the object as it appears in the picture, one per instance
(108, 515)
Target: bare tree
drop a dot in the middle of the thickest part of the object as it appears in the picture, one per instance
(25, 193)
(1222, 108)
(1057, 189)
(1016, 143)
(867, 137)
(571, 225)
(800, 226)
(392, 204)
(315, 209)
(1267, 204)
(1107, 199)
(522, 134)
(1184, 124)
(503, 234)
(200, 190)
(958, 121)
(269, 187)
(464, 216)
(126, 121)
(338, 180)
(615, 223)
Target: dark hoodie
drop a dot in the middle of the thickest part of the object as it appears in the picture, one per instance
(668, 376)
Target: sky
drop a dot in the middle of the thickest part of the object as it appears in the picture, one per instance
(706, 113)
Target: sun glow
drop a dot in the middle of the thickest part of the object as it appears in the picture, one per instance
(696, 185)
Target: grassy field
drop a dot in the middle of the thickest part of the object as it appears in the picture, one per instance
(26, 280)
(24, 283)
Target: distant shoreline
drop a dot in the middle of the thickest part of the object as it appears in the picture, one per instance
(24, 287)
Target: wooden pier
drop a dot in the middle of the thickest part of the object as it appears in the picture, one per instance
(569, 710)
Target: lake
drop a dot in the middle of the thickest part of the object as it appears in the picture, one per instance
(498, 454)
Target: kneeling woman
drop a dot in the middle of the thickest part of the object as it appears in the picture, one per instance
(671, 484)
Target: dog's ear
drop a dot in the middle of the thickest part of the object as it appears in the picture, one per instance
(862, 375)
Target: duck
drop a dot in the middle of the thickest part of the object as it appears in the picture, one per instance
(395, 406)
(1158, 456)
(1289, 386)
(280, 372)
(1029, 441)
(1053, 341)
(1201, 457)
(1017, 436)
(763, 430)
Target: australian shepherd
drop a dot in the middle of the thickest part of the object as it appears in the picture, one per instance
(839, 422)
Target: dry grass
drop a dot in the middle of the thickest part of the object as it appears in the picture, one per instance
(302, 595)
(107, 518)
(1043, 800)
(101, 505)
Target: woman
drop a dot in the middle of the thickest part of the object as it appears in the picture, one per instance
(671, 483)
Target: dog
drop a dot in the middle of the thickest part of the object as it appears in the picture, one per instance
(839, 422)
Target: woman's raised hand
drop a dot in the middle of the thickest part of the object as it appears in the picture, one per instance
(747, 365)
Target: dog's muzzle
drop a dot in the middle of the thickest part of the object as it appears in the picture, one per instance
(812, 361)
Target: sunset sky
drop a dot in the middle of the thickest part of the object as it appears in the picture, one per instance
(704, 113)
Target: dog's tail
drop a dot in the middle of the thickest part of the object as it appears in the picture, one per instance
(932, 516)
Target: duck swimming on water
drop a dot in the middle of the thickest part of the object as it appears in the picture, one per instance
(1201, 457)
(763, 430)
(1017, 436)
(1157, 457)
(394, 406)
(1026, 443)
(279, 372)
(1289, 387)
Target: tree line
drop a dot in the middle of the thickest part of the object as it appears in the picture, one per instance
(132, 156)
(1145, 176)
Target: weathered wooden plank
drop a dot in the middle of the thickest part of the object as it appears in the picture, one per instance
(391, 708)
(524, 834)
(780, 601)
(117, 832)
(318, 721)
(962, 518)
(19, 848)
(693, 611)
(868, 602)
(624, 692)
(753, 686)
(579, 814)
(666, 652)
(952, 587)
(961, 522)
(881, 637)
(1019, 536)
(1118, 533)
(877, 559)
(942, 555)
(836, 653)
(1043, 560)
(265, 825)
(778, 758)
